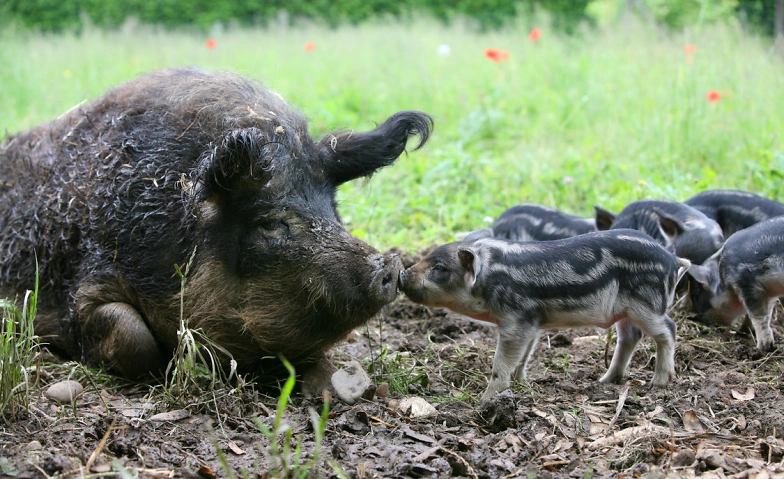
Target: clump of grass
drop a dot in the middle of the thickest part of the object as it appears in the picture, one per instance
(398, 370)
(196, 365)
(18, 350)
(283, 462)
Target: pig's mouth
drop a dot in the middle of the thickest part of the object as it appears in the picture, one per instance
(385, 281)
(404, 283)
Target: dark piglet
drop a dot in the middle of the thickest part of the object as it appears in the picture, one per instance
(620, 277)
(532, 222)
(680, 228)
(735, 210)
(111, 196)
(745, 276)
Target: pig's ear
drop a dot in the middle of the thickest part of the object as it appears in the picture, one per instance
(671, 226)
(704, 276)
(351, 155)
(234, 164)
(604, 218)
(469, 260)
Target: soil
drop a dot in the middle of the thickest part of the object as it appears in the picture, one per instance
(721, 417)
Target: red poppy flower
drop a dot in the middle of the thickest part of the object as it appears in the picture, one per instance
(496, 55)
(714, 96)
(211, 44)
(535, 35)
(689, 49)
(309, 47)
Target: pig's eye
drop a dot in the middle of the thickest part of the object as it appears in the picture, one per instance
(273, 225)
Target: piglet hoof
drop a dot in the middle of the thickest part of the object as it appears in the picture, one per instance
(492, 390)
(611, 377)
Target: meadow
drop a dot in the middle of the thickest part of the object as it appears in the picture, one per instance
(607, 116)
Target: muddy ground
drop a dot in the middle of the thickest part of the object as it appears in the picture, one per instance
(721, 417)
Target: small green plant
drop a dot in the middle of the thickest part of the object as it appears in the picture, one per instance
(195, 366)
(18, 349)
(283, 463)
(398, 370)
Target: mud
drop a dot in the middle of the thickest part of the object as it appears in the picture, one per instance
(721, 417)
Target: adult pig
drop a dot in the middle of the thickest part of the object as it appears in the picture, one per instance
(682, 229)
(745, 276)
(735, 210)
(181, 164)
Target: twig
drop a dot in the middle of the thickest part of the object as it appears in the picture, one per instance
(619, 407)
(100, 445)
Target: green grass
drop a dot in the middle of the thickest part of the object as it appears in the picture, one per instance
(609, 116)
(18, 350)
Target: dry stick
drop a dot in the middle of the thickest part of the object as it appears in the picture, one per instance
(619, 407)
(460, 458)
(100, 445)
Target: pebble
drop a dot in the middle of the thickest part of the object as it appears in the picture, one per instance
(415, 406)
(683, 458)
(34, 446)
(351, 382)
(64, 391)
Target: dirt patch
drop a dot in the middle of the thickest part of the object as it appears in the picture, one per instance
(721, 416)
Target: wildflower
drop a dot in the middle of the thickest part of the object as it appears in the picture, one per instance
(497, 55)
(689, 49)
(444, 50)
(568, 179)
(535, 35)
(211, 44)
(714, 96)
(309, 47)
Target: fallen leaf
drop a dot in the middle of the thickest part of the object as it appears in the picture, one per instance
(170, 415)
(235, 448)
(692, 423)
(206, 472)
(748, 396)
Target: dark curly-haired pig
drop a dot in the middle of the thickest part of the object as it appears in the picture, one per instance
(111, 196)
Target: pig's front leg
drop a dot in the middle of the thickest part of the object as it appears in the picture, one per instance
(317, 377)
(760, 313)
(628, 337)
(515, 344)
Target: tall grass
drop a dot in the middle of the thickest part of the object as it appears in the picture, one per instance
(18, 349)
(608, 116)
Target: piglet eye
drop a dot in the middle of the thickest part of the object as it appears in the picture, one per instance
(437, 268)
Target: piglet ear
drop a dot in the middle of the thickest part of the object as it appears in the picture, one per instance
(701, 274)
(239, 162)
(469, 260)
(604, 218)
(671, 226)
(351, 155)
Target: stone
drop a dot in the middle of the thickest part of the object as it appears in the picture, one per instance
(351, 382)
(64, 391)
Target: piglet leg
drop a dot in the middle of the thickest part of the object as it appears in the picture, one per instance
(760, 313)
(628, 337)
(514, 344)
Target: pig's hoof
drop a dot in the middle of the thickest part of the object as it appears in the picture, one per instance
(318, 378)
(611, 378)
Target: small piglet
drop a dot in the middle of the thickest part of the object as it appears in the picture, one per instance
(745, 276)
(532, 222)
(620, 277)
(678, 227)
(735, 210)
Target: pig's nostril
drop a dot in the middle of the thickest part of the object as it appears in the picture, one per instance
(388, 278)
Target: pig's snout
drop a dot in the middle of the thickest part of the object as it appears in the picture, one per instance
(386, 278)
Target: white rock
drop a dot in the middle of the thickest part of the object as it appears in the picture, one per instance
(350, 382)
(416, 407)
(64, 391)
